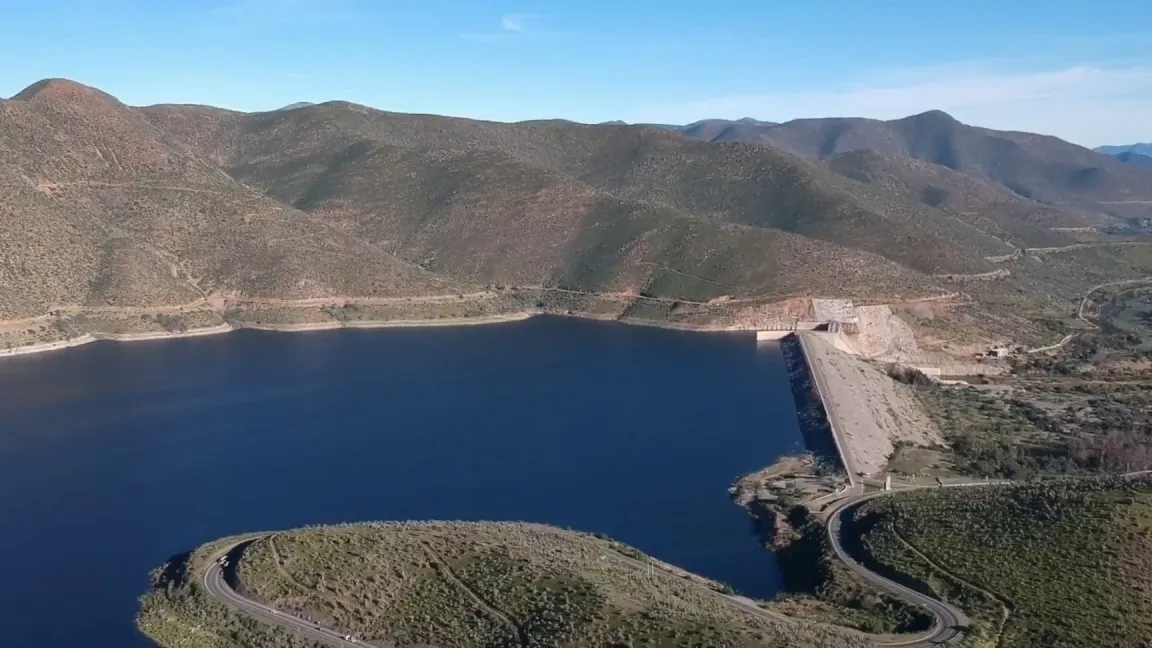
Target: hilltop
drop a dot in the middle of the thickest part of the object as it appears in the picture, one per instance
(724, 130)
(459, 584)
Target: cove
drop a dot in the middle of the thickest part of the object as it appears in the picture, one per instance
(114, 457)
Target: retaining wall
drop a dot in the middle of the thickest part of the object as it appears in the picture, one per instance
(776, 336)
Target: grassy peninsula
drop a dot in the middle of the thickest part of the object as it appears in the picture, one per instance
(463, 585)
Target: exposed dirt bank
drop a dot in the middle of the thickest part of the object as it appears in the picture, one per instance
(87, 338)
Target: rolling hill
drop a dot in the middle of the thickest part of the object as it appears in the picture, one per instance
(986, 206)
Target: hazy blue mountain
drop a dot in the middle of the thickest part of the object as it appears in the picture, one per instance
(746, 129)
(1136, 159)
(1139, 149)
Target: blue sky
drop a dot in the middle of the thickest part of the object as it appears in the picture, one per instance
(1079, 70)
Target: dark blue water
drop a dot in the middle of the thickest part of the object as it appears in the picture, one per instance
(114, 457)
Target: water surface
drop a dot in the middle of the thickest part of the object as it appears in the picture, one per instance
(114, 457)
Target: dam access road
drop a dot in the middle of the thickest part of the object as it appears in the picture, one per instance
(950, 622)
(217, 586)
(948, 628)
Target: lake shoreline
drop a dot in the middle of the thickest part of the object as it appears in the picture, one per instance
(88, 338)
(184, 442)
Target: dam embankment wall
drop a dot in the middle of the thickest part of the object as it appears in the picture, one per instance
(815, 423)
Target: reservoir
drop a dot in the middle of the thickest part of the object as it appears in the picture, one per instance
(114, 457)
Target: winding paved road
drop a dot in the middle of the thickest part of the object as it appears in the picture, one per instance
(949, 627)
(218, 586)
(950, 622)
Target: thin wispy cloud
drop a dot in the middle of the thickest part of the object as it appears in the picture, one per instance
(517, 23)
(511, 26)
(1086, 104)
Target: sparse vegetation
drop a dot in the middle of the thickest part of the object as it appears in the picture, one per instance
(816, 584)
(1056, 563)
(466, 584)
(908, 375)
(1086, 408)
(176, 611)
(1046, 428)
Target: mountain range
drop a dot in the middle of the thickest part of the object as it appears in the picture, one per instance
(722, 130)
(1038, 167)
(1131, 157)
(1139, 149)
(105, 206)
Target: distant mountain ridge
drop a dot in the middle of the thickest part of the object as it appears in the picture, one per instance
(711, 130)
(1035, 167)
(1139, 149)
(1130, 157)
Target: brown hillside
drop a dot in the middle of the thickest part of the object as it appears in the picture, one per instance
(483, 215)
(735, 183)
(106, 205)
(101, 207)
(986, 206)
